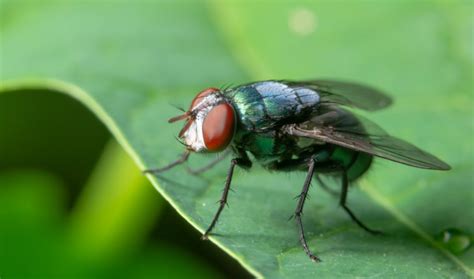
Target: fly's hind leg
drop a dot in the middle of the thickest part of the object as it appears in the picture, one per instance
(299, 209)
(343, 201)
(326, 187)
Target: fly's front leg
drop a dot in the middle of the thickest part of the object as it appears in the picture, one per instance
(211, 164)
(343, 200)
(299, 209)
(243, 162)
(183, 158)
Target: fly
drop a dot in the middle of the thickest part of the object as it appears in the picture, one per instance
(295, 126)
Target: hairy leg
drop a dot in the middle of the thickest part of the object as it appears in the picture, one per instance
(223, 201)
(299, 209)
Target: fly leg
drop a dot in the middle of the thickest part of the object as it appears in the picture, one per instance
(299, 209)
(244, 162)
(211, 164)
(326, 187)
(184, 157)
(342, 202)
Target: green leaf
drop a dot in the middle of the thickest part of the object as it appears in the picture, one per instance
(128, 62)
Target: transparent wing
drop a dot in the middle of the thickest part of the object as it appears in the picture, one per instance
(346, 93)
(341, 127)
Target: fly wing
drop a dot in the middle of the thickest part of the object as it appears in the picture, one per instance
(343, 128)
(346, 93)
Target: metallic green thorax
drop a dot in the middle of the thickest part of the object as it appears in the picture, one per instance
(263, 105)
(262, 108)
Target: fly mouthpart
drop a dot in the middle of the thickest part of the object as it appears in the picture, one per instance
(181, 141)
(179, 117)
(185, 128)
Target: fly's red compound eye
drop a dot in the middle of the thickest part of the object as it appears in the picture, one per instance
(218, 127)
(201, 95)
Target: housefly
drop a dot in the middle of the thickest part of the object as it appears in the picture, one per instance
(295, 125)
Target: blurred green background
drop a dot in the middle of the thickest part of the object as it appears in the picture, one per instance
(74, 204)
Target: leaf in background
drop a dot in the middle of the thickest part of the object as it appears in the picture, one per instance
(127, 62)
(34, 243)
(35, 132)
